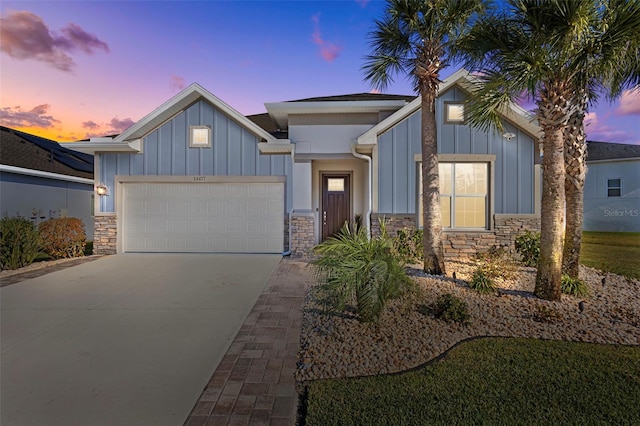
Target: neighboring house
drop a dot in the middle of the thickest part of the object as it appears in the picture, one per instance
(612, 187)
(39, 179)
(195, 175)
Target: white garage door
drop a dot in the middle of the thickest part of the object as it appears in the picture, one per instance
(203, 217)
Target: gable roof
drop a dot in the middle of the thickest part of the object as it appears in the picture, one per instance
(130, 139)
(26, 151)
(598, 151)
(359, 97)
(264, 120)
(465, 80)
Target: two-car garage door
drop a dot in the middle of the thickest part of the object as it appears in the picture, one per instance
(203, 217)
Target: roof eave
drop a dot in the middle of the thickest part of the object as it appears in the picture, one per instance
(280, 111)
(90, 147)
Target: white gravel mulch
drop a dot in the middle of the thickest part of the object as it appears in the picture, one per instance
(408, 335)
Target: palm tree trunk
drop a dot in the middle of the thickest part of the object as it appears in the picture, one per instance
(575, 153)
(549, 275)
(432, 220)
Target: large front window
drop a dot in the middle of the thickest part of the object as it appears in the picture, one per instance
(464, 195)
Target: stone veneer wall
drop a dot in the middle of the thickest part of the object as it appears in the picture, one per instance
(302, 233)
(466, 243)
(105, 234)
(508, 227)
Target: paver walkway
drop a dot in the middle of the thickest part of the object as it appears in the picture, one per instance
(254, 384)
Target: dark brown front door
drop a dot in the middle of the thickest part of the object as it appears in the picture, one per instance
(336, 206)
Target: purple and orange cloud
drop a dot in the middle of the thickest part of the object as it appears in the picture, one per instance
(36, 117)
(24, 35)
(597, 131)
(629, 103)
(177, 82)
(328, 50)
(113, 127)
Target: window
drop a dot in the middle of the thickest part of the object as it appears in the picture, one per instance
(614, 187)
(464, 195)
(335, 184)
(453, 112)
(199, 137)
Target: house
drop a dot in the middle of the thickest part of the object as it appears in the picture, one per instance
(39, 179)
(612, 187)
(195, 175)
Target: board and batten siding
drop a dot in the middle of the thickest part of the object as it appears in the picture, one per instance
(397, 169)
(166, 152)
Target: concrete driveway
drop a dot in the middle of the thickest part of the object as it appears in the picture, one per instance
(123, 340)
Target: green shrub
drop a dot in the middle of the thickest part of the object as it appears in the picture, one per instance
(451, 308)
(528, 246)
(354, 269)
(408, 245)
(88, 248)
(19, 242)
(481, 283)
(574, 286)
(496, 262)
(63, 238)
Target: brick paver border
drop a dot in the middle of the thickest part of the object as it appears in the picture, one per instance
(254, 383)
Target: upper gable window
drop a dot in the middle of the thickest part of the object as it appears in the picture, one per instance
(199, 137)
(454, 112)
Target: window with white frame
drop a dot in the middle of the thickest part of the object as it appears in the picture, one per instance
(454, 112)
(199, 137)
(464, 195)
(614, 187)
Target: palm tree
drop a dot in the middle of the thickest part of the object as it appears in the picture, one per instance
(529, 48)
(417, 38)
(611, 51)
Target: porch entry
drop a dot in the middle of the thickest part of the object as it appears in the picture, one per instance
(336, 203)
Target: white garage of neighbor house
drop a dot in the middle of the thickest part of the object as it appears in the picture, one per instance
(195, 175)
(612, 187)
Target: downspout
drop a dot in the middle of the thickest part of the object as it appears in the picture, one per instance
(293, 166)
(369, 209)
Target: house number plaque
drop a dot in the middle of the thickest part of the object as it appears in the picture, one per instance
(199, 178)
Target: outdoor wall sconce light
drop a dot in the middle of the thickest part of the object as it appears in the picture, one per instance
(508, 136)
(102, 190)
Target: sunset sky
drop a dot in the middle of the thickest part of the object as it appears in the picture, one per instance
(76, 69)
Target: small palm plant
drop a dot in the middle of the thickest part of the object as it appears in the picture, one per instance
(355, 269)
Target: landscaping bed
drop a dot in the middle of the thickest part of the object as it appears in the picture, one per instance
(409, 335)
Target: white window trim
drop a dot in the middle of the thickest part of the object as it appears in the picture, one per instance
(490, 159)
(447, 120)
(193, 144)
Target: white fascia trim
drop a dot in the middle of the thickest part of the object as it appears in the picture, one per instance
(134, 146)
(465, 80)
(42, 174)
(370, 137)
(280, 111)
(178, 103)
(284, 147)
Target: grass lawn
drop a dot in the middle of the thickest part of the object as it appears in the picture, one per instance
(493, 381)
(617, 252)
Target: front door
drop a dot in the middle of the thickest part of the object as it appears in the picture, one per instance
(336, 203)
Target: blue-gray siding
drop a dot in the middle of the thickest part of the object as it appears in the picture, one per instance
(21, 194)
(397, 169)
(166, 151)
